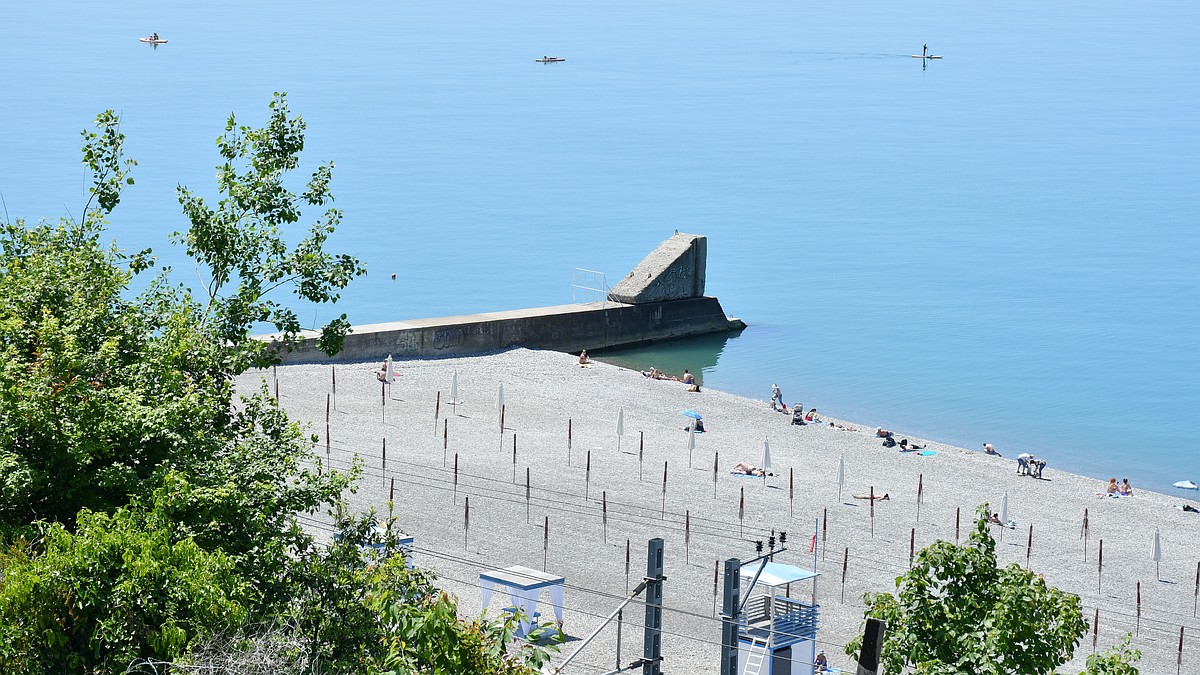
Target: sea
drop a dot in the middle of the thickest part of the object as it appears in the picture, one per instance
(996, 246)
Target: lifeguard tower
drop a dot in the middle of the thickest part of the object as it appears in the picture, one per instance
(777, 633)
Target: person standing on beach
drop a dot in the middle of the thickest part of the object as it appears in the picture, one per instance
(777, 397)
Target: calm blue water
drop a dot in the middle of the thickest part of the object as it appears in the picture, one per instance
(999, 247)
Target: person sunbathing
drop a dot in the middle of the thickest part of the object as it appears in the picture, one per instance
(906, 447)
(583, 358)
(747, 469)
(875, 497)
(1126, 488)
(1113, 488)
(882, 433)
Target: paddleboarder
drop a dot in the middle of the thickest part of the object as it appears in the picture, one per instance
(925, 50)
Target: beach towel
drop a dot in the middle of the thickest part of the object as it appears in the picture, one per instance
(928, 453)
(745, 475)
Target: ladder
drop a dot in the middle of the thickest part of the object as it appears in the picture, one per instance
(756, 656)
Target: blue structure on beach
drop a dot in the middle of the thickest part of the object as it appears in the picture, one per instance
(777, 634)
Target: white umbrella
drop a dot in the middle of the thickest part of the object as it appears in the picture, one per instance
(387, 368)
(620, 427)
(1156, 551)
(841, 475)
(500, 397)
(1003, 514)
(691, 440)
(454, 389)
(765, 464)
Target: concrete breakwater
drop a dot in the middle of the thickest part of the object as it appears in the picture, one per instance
(660, 299)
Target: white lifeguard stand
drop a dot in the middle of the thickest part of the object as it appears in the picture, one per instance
(777, 634)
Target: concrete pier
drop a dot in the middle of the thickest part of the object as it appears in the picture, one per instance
(661, 299)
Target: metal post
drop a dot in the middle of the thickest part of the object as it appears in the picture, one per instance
(791, 492)
(568, 441)
(730, 608)
(641, 451)
(526, 490)
(652, 650)
(957, 521)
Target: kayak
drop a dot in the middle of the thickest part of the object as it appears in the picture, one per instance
(550, 59)
(918, 56)
(153, 41)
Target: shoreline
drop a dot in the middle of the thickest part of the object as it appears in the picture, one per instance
(547, 392)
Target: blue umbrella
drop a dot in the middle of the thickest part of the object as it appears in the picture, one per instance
(691, 413)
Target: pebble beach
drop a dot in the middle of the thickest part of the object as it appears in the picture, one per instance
(600, 492)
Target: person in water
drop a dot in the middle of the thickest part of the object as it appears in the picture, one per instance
(925, 50)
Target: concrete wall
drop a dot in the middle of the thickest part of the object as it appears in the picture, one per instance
(673, 271)
(566, 328)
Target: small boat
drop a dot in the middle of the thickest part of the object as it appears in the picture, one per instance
(1185, 485)
(153, 41)
(550, 59)
(918, 56)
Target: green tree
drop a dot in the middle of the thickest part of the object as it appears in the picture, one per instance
(1116, 660)
(119, 588)
(241, 244)
(955, 611)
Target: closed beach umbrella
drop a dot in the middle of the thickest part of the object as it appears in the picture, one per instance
(1156, 551)
(1004, 509)
(620, 427)
(765, 465)
(387, 367)
(454, 388)
(500, 397)
(841, 475)
(691, 441)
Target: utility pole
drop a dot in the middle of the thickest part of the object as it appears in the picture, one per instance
(652, 646)
(730, 608)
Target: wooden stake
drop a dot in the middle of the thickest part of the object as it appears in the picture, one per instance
(1083, 532)
(604, 513)
(456, 483)
(383, 465)
(526, 495)
(545, 542)
(957, 520)
(920, 495)
(276, 391)
(327, 404)
(664, 492)
(1179, 654)
(1029, 546)
(437, 412)
(333, 374)
(568, 441)
(1137, 627)
(514, 457)
(445, 438)
(912, 546)
(687, 536)
(845, 564)
(824, 530)
(641, 451)
(466, 519)
(501, 427)
(1095, 629)
(328, 440)
(1100, 566)
(742, 512)
(791, 492)
(587, 476)
(1196, 593)
(716, 460)
(392, 490)
(383, 401)
(872, 510)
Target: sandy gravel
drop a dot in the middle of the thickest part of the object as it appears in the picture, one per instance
(545, 392)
